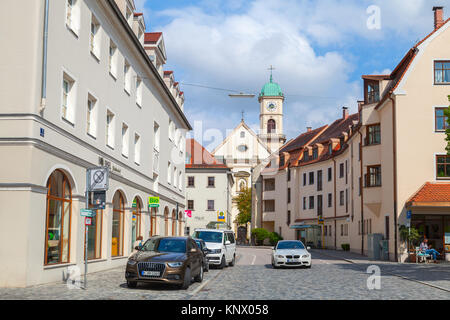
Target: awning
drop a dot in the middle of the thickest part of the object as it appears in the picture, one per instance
(435, 194)
(304, 226)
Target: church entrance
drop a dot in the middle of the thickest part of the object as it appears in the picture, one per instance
(242, 235)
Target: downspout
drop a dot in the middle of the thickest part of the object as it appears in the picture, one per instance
(44, 60)
(361, 229)
(335, 209)
(394, 155)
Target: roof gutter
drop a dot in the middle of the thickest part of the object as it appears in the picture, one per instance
(44, 60)
(141, 49)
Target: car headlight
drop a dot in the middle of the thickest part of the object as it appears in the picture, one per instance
(175, 264)
(280, 256)
(305, 256)
(215, 251)
(132, 262)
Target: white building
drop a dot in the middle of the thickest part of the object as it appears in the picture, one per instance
(83, 95)
(209, 185)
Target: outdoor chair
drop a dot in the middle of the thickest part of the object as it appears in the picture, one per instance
(422, 256)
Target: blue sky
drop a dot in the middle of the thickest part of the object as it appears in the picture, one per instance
(319, 48)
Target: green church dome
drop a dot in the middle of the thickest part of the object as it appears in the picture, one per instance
(271, 89)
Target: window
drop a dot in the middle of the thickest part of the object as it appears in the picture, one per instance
(117, 225)
(373, 92)
(341, 198)
(373, 135)
(180, 179)
(288, 221)
(169, 172)
(171, 130)
(319, 180)
(125, 138)
(269, 205)
(242, 134)
(346, 200)
(58, 216)
(443, 166)
(289, 195)
(175, 183)
(329, 230)
(91, 126)
(68, 99)
(342, 230)
(330, 172)
(304, 203)
(315, 153)
(73, 15)
(190, 204)
(330, 148)
(305, 155)
(440, 119)
(311, 178)
(386, 227)
(319, 205)
(110, 123)
(325, 230)
(346, 171)
(127, 77)
(271, 126)
(211, 205)
(269, 184)
(441, 72)
(373, 176)
(311, 202)
(156, 133)
(304, 179)
(341, 170)
(289, 174)
(95, 236)
(211, 182)
(95, 37)
(137, 149)
(113, 59)
(191, 182)
(139, 91)
(136, 221)
(330, 200)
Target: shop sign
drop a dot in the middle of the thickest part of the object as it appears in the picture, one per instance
(153, 202)
(220, 216)
(188, 213)
(87, 213)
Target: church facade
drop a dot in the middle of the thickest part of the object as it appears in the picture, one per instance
(244, 151)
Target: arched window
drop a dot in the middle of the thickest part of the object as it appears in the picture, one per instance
(59, 211)
(174, 223)
(271, 126)
(136, 221)
(180, 221)
(95, 236)
(242, 185)
(117, 225)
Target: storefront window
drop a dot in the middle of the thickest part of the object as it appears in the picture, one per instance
(117, 225)
(136, 221)
(59, 209)
(95, 236)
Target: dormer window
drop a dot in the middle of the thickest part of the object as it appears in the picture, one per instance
(330, 148)
(372, 92)
(305, 155)
(315, 153)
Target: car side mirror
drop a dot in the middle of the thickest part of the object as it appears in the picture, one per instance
(227, 242)
(137, 248)
(308, 248)
(274, 248)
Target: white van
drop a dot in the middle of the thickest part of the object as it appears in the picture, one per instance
(221, 245)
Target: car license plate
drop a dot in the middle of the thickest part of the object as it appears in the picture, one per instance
(290, 260)
(151, 273)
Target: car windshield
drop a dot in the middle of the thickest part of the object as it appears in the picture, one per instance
(290, 245)
(165, 245)
(209, 236)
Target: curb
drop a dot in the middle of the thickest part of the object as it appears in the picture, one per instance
(393, 274)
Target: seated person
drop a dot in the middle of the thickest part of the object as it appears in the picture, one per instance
(424, 245)
(432, 252)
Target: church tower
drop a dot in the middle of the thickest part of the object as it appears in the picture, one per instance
(271, 101)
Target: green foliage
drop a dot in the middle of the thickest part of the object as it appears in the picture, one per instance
(244, 205)
(274, 238)
(447, 131)
(345, 246)
(260, 233)
(406, 234)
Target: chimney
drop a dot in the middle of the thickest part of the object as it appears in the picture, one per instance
(344, 112)
(308, 129)
(438, 17)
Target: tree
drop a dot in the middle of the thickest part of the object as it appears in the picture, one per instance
(244, 205)
(447, 131)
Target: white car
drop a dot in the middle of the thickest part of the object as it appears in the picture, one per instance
(290, 253)
(221, 245)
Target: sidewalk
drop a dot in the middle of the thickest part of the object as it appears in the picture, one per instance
(436, 275)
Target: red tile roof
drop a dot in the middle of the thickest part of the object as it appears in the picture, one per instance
(152, 37)
(200, 157)
(166, 73)
(432, 194)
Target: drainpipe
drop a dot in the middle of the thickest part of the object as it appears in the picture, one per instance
(44, 60)
(394, 155)
(335, 209)
(362, 191)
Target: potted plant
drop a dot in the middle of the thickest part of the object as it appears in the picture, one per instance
(412, 237)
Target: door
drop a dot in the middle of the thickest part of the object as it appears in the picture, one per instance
(230, 248)
(196, 261)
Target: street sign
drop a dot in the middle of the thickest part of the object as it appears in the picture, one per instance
(88, 221)
(153, 202)
(87, 213)
(320, 221)
(408, 214)
(188, 213)
(220, 216)
(98, 200)
(98, 179)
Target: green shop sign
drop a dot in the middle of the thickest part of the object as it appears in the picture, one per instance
(153, 202)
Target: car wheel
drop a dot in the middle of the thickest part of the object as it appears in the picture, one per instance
(199, 278)
(233, 262)
(187, 279)
(222, 263)
(131, 284)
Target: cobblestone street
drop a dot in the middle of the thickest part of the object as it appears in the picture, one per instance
(253, 278)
